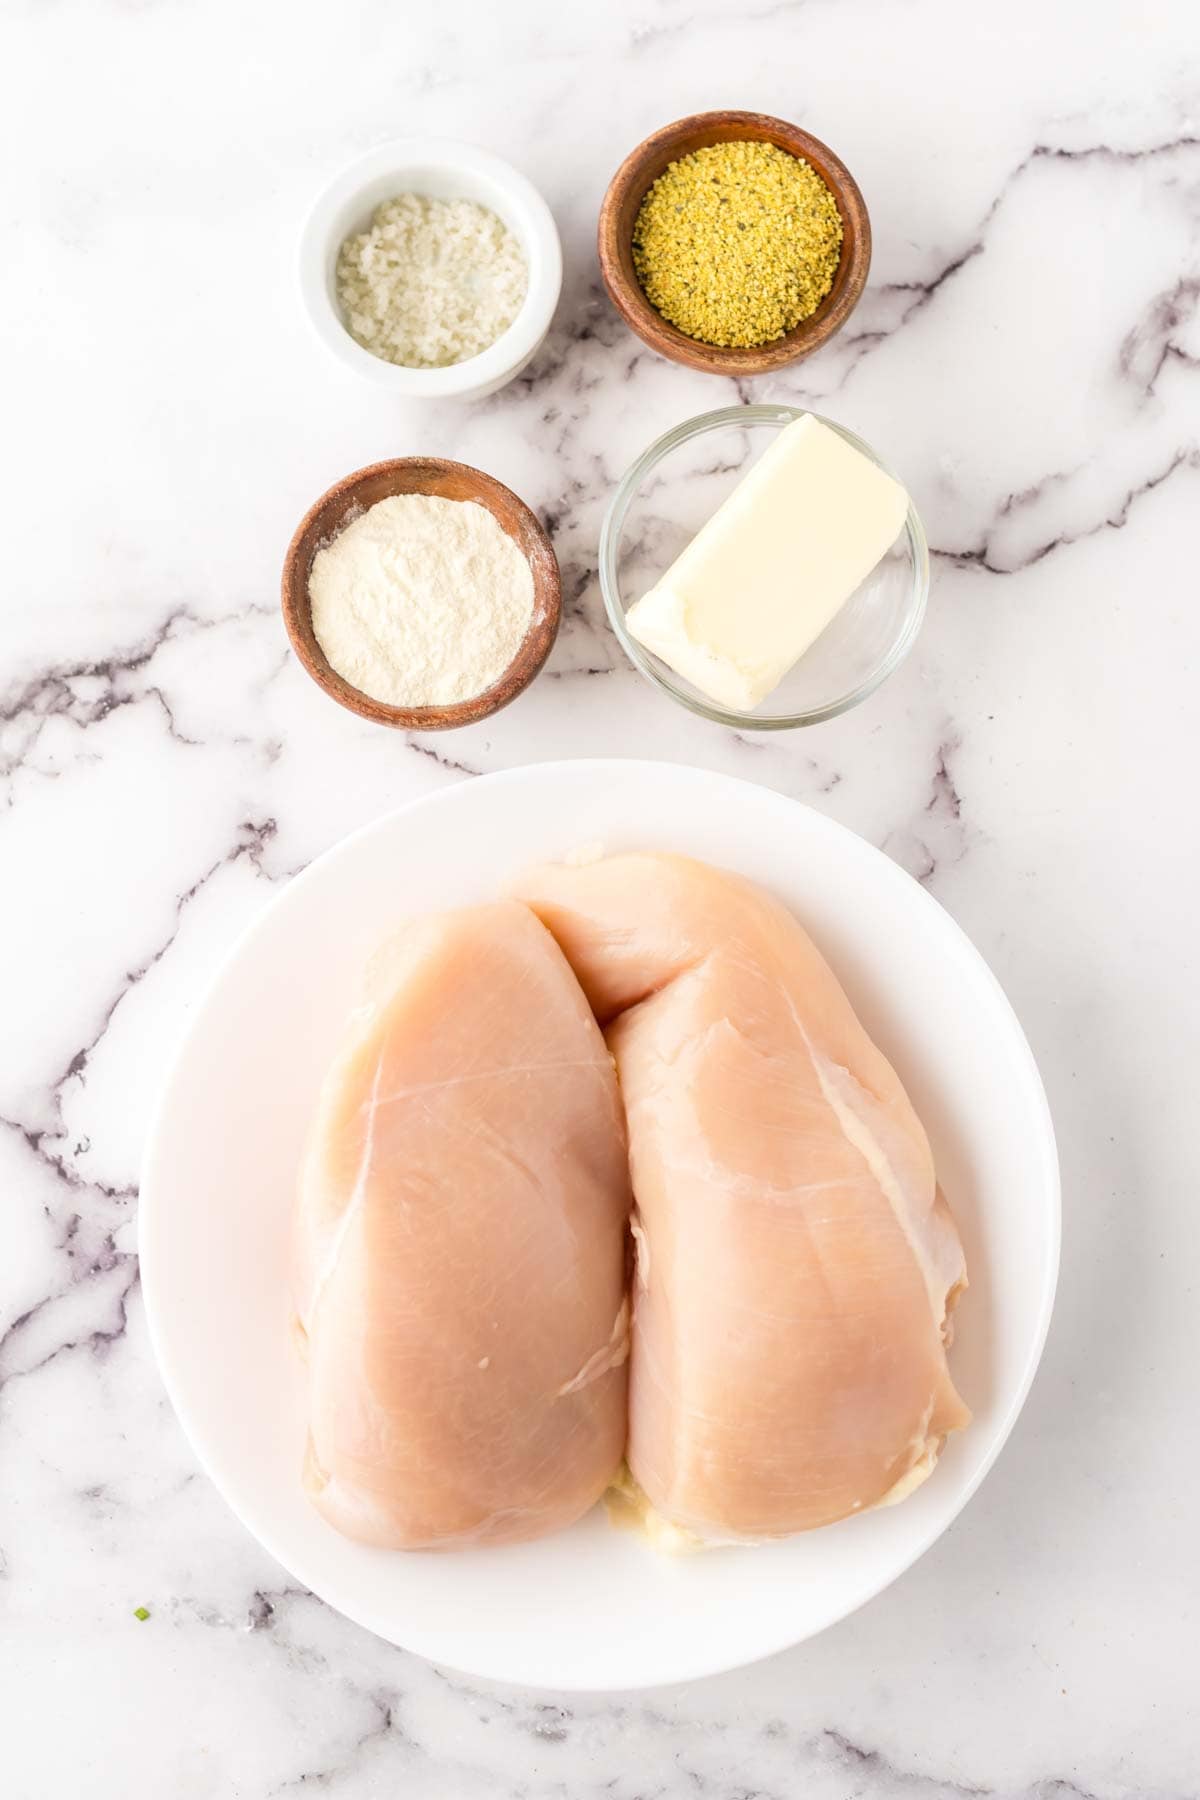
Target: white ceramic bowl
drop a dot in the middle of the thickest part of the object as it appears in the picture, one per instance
(445, 170)
(590, 1607)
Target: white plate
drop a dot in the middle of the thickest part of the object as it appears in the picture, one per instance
(590, 1608)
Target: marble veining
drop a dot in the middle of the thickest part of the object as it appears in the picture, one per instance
(1027, 356)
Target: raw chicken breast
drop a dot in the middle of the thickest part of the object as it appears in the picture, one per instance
(460, 1245)
(796, 1263)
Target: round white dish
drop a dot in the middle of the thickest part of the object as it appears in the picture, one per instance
(591, 1608)
(446, 170)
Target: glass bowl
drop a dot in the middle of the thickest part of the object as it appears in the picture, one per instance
(669, 493)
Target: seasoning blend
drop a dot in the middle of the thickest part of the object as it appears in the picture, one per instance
(431, 282)
(737, 243)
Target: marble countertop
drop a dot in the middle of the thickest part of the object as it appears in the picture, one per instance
(1028, 356)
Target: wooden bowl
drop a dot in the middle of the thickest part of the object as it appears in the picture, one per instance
(448, 481)
(628, 189)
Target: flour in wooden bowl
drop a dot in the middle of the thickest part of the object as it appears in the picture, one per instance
(421, 601)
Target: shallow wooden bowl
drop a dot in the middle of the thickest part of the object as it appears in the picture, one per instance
(628, 189)
(448, 481)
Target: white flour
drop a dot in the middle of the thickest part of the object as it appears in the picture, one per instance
(421, 601)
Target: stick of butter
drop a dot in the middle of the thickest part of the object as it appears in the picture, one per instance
(780, 556)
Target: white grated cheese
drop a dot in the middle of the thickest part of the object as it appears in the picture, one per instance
(432, 282)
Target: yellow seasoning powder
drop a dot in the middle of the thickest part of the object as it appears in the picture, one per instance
(737, 243)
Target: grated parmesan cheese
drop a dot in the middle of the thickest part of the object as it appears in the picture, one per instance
(431, 282)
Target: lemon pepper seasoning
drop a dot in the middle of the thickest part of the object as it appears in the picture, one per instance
(737, 243)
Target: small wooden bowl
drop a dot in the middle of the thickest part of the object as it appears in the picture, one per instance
(449, 481)
(628, 189)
